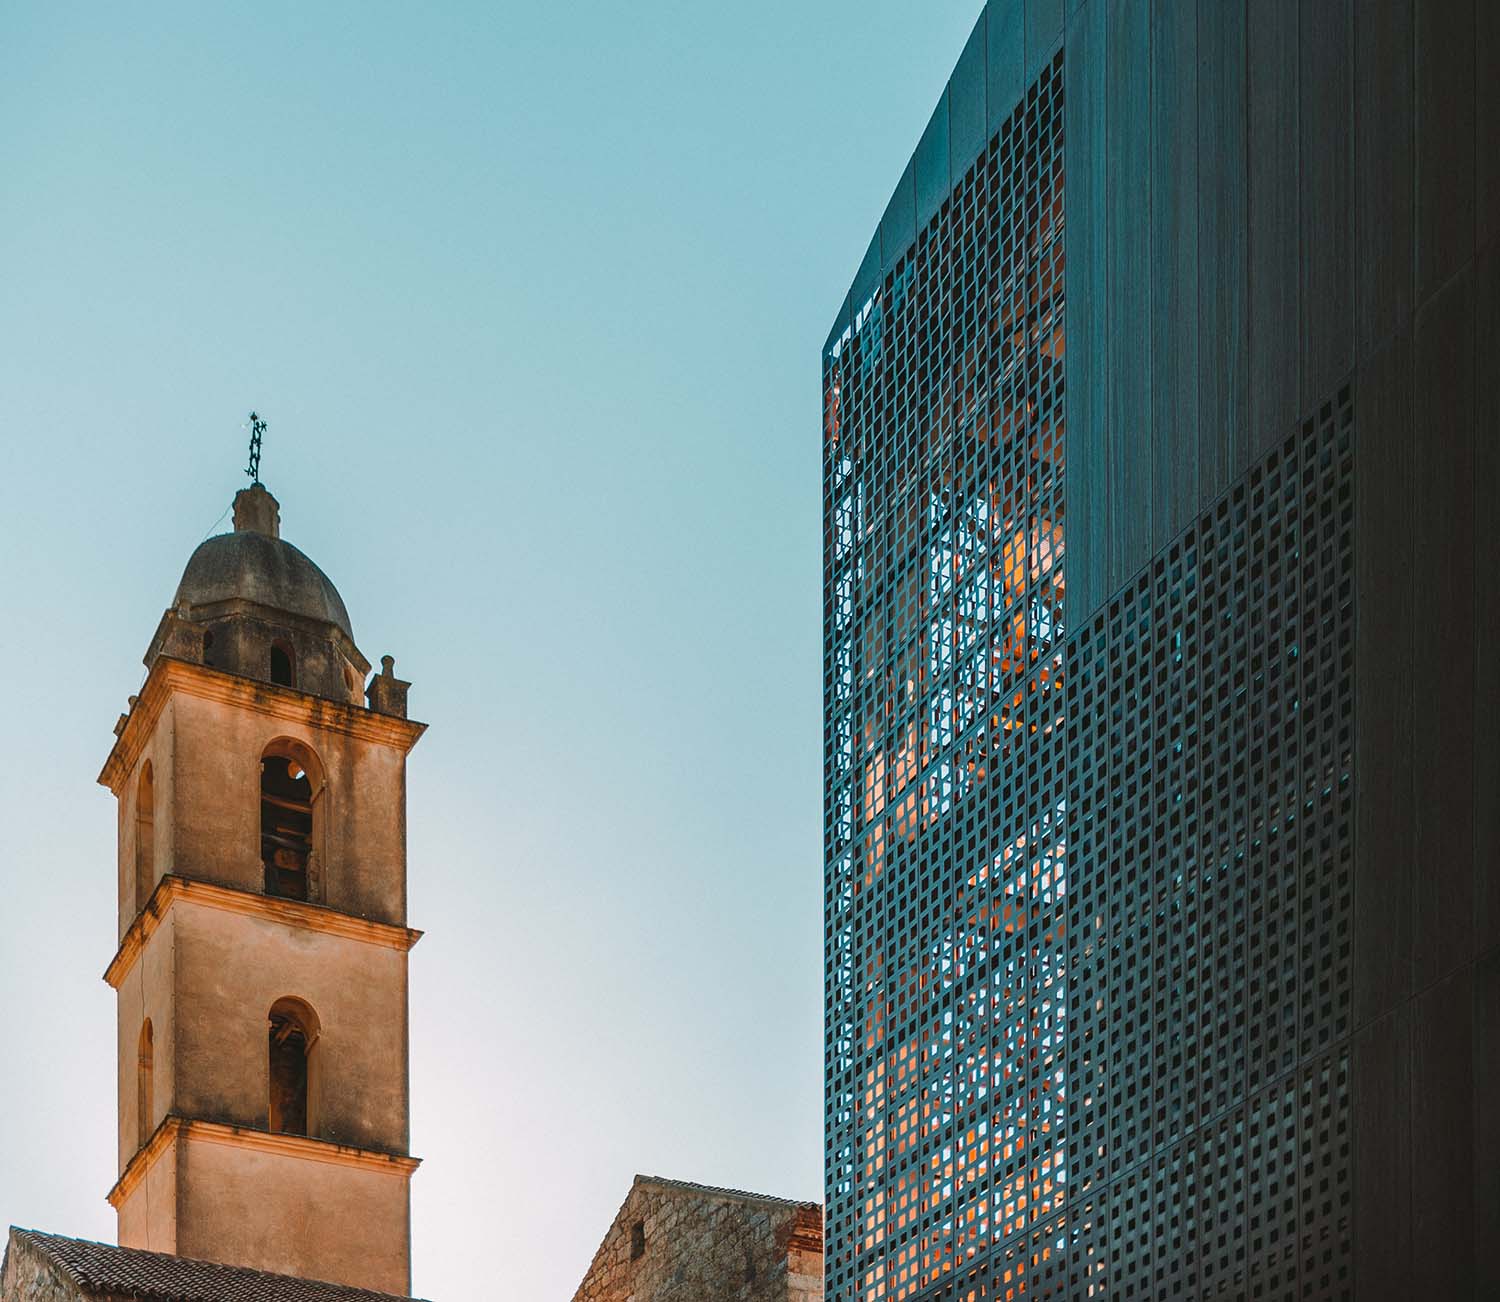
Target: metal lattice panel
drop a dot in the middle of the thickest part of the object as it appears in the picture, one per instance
(1088, 893)
(1210, 817)
(945, 892)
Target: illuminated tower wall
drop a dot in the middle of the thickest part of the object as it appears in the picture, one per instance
(1162, 726)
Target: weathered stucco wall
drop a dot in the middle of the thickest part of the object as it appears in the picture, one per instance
(205, 762)
(147, 1218)
(360, 821)
(230, 968)
(294, 1216)
(213, 954)
(146, 992)
(158, 754)
(682, 1243)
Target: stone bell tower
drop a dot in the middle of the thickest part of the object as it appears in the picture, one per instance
(262, 967)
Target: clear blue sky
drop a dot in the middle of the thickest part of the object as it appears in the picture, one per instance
(533, 296)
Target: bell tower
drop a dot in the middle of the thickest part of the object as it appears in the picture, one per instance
(262, 968)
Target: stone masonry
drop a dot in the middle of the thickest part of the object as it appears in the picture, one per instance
(29, 1276)
(672, 1241)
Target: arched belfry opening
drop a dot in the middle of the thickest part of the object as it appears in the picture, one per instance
(290, 821)
(145, 836)
(293, 1077)
(283, 663)
(144, 1083)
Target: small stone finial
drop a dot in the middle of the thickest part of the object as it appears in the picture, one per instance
(256, 511)
(387, 693)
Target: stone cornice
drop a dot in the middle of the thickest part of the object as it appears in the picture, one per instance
(170, 675)
(271, 908)
(174, 1128)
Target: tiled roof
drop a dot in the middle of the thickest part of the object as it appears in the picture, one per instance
(160, 1277)
(715, 1191)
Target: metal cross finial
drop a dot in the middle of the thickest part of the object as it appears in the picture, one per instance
(257, 428)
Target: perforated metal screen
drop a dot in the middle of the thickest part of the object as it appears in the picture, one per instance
(945, 771)
(1210, 836)
(1087, 893)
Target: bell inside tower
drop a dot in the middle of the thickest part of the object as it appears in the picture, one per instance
(286, 826)
(293, 1037)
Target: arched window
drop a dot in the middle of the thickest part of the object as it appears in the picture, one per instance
(145, 837)
(293, 1068)
(145, 1053)
(283, 663)
(208, 647)
(289, 787)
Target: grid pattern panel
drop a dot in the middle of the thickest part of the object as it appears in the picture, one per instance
(1088, 899)
(1209, 814)
(944, 810)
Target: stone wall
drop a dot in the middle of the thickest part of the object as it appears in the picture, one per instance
(27, 1276)
(674, 1242)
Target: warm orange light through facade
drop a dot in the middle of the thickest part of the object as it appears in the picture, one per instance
(946, 884)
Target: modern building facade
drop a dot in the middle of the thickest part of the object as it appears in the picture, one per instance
(1162, 702)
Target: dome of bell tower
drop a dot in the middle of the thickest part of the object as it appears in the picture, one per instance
(252, 604)
(255, 564)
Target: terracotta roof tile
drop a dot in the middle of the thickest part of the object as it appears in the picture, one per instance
(161, 1277)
